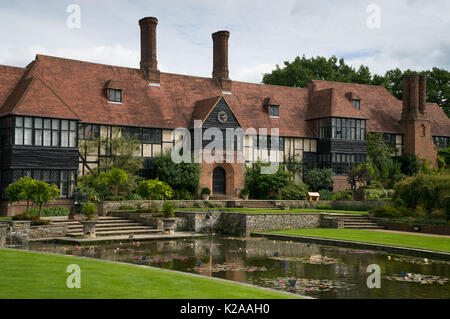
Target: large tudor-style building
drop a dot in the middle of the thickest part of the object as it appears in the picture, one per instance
(47, 107)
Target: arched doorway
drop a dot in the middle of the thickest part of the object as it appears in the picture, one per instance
(219, 181)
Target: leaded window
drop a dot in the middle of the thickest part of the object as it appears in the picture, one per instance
(115, 95)
(342, 128)
(274, 110)
(45, 132)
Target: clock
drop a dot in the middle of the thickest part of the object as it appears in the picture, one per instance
(222, 117)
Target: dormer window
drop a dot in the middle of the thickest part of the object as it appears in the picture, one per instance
(274, 110)
(356, 104)
(115, 95)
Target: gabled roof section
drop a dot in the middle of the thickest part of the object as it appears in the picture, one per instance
(331, 102)
(9, 78)
(377, 104)
(34, 98)
(440, 123)
(202, 109)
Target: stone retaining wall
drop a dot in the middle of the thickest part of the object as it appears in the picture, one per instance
(47, 231)
(242, 224)
(106, 207)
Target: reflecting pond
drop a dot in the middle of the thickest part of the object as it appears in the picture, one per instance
(307, 269)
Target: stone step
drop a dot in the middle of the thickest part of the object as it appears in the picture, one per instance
(102, 221)
(119, 232)
(78, 229)
(124, 224)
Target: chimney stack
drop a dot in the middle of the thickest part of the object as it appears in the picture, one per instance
(414, 94)
(422, 94)
(220, 61)
(149, 64)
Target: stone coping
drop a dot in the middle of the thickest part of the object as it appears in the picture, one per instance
(174, 271)
(415, 252)
(245, 213)
(121, 238)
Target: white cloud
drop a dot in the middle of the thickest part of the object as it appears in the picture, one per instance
(414, 34)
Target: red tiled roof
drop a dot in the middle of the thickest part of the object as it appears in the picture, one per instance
(383, 109)
(57, 87)
(9, 77)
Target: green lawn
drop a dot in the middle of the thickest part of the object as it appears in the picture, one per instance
(375, 237)
(276, 211)
(28, 275)
(5, 218)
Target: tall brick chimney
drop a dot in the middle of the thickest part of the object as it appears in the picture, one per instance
(220, 61)
(149, 64)
(415, 122)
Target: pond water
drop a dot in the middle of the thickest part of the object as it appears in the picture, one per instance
(307, 269)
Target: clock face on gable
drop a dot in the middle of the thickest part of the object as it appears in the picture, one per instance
(222, 117)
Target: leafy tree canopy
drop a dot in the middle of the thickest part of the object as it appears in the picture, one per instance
(301, 71)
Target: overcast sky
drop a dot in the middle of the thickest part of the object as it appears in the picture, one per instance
(413, 34)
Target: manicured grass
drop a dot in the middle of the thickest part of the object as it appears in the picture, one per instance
(27, 275)
(5, 218)
(276, 211)
(375, 237)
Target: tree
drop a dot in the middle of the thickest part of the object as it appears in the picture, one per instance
(301, 71)
(115, 178)
(20, 190)
(265, 186)
(318, 179)
(123, 153)
(182, 176)
(42, 193)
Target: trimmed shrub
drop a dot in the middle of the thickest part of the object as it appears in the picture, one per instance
(318, 179)
(294, 191)
(183, 194)
(168, 210)
(89, 210)
(50, 211)
(206, 191)
(426, 191)
(326, 194)
(343, 195)
(154, 189)
(391, 211)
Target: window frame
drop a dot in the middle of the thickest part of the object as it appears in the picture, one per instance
(115, 95)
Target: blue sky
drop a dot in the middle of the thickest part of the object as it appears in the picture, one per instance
(413, 33)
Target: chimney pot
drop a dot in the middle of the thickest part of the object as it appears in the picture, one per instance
(149, 63)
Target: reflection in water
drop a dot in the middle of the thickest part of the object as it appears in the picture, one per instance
(307, 269)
